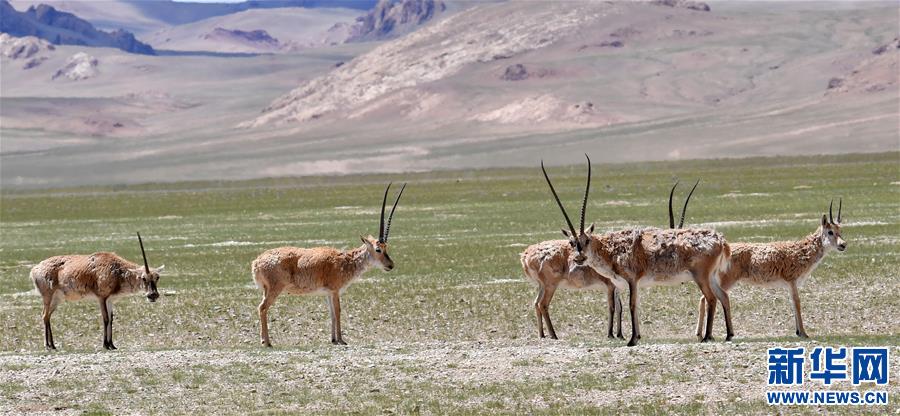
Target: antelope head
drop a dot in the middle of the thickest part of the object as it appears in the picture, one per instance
(580, 240)
(377, 248)
(831, 229)
(149, 277)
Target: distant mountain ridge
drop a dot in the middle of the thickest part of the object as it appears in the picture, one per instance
(64, 28)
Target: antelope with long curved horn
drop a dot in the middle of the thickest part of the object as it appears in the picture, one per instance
(651, 256)
(322, 270)
(550, 265)
(101, 276)
(783, 264)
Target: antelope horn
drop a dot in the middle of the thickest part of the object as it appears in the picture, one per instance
(387, 230)
(830, 217)
(556, 197)
(840, 205)
(684, 209)
(381, 224)
(144, 254)
(586, 190)
(671, 216)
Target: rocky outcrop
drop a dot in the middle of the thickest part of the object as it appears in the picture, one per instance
(23, 48)
(390, 18)
(78, 67)
(687, 4)
(30, 49)
(64, 28)
(259, 39)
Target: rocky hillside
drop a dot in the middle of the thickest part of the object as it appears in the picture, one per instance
(64, 28)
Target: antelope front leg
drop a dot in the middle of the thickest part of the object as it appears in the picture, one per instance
(632, 306)
(104, 314)
(337, 339)
(545, 308)
(798, 319)
(111, 313)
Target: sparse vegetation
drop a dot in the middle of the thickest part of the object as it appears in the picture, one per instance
(451, 329)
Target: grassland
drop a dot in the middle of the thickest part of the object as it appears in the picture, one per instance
(451, 329)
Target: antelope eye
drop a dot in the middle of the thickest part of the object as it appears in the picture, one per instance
(378, 250)
(830, 232)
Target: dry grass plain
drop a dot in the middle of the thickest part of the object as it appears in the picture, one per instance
(451, 329)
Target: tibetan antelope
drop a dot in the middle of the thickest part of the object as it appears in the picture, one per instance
(652, 256)
(321, 270)
(548, 264)
(101, 276)
(784, 264)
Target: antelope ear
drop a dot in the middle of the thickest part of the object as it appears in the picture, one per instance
(160, 268)
(824, 220)
(590, 229)
(565, 233)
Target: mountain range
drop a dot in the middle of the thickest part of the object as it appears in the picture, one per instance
(64, 28)
(474, 85)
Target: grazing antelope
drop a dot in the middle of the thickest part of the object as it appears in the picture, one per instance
(652, 256)
(101, 276)
(548, 265)
(321, 270)
(782, 264)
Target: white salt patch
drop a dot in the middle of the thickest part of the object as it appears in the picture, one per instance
(616, 203)
(803, 187)
(738, 194)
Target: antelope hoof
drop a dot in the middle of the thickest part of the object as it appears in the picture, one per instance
(611, 336)
(802, 335)
(729, 337)
(51, 347)
(632, 342)
(338, 342)
(708, 339)
(112, 347)
(266, 344)
(553, 336)
(622, 337)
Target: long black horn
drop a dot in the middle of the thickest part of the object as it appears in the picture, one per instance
(587, 189)
(684, 209)
(143, 253)
(387, 230)
(840, 205)
(381, 224)
(672, 216)
(556, 197)
(830, 217)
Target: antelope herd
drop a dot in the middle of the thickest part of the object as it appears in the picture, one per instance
(630, 258)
